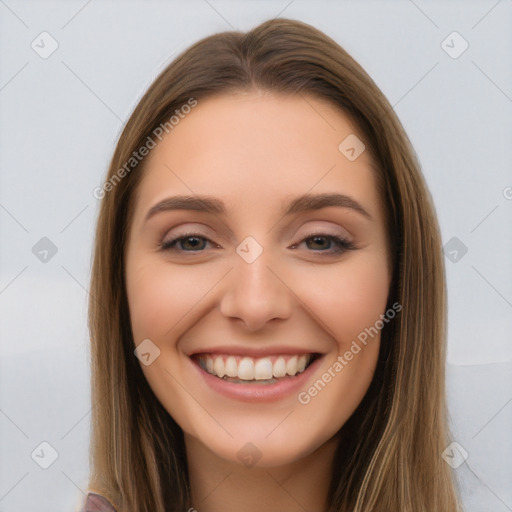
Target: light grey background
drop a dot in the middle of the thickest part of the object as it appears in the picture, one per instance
(60, 119)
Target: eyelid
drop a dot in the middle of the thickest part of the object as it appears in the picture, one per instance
(188, 229)
(339, 236)
(328, 229)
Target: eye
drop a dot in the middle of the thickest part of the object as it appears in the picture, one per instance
(318, 242)
(323, 243)
(189, 242)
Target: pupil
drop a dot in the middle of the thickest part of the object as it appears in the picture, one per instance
(195, 242)
(318, 240)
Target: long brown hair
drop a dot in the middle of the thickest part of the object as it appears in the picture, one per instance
(389, 457)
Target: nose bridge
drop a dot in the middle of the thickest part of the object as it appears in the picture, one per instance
(254, 293)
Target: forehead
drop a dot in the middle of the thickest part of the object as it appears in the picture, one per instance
(257, 148)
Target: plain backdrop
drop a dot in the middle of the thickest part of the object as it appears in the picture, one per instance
(446, 68)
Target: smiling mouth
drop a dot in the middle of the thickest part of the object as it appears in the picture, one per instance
(249, 370)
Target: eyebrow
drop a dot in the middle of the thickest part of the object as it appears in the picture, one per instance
(306, 202)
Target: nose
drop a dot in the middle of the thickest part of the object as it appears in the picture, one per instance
(256, 294)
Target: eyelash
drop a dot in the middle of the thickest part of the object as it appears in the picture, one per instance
(341, 244)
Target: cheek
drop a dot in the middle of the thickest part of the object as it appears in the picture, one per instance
(159, 298)
(349, 298)
(349, 304)
(148, 297)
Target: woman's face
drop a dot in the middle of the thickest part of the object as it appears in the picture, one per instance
(257, 247)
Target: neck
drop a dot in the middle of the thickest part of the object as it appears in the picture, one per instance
(218, 485)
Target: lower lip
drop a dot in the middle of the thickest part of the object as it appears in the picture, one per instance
(259, 392)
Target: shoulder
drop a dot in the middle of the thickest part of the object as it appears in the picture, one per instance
(96, 503)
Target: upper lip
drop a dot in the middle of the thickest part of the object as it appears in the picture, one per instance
(252, 351)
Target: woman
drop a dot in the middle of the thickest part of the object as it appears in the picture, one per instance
(267, 307)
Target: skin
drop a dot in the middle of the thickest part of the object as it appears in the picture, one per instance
(256, 151)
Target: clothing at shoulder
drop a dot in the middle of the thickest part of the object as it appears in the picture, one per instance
(97, 503)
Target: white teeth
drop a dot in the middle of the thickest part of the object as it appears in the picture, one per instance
(231, 367)
(263, 369)
(291, 366)
(247, 368)
(218, 367)
(279, 367)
